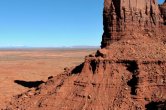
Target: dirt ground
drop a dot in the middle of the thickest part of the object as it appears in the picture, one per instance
(34, 65)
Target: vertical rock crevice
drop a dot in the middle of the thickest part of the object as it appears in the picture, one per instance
(132, 67)
(163, 11)
(93, 65)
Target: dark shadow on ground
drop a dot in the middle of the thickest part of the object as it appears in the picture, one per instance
(29, 84)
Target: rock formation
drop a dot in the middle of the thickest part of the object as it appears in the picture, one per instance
(124, 16)
(128, 73)
(163, 11)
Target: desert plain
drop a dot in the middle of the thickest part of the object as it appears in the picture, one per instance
(33, 65)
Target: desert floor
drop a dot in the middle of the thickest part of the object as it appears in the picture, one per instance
(30, 65)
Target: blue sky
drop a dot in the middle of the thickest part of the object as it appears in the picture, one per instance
(50, 23)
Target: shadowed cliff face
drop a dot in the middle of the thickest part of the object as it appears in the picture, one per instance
(163, 11)
(122, 17)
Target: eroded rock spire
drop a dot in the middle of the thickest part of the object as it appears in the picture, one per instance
(124, 16)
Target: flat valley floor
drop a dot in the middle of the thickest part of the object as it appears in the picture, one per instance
(31, 65)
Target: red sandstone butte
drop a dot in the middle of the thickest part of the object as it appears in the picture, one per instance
(128, 73)
(122, 17)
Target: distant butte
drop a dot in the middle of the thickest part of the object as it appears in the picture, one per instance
(127, 73)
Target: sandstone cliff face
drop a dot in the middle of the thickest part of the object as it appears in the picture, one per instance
(124, 16)
(128, 73)
(163, 11)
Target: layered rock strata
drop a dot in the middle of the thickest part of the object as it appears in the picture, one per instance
(123, 16)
